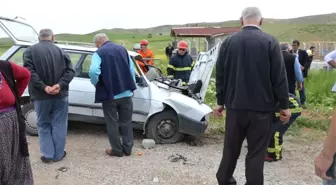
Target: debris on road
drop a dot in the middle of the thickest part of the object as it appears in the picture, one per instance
(176, 158)
(63, 169)
(148, 143)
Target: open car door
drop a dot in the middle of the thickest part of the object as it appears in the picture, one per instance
(201, 73)
(17, 31)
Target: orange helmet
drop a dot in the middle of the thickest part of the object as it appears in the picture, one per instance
(182, 44)
(144, 42)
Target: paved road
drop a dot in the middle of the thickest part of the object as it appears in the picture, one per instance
(87, 164)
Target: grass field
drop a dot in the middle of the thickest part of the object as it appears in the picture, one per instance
(313, 28)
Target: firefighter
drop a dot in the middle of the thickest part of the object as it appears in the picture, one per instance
(147, 56)
(274, 151)
(181, 64)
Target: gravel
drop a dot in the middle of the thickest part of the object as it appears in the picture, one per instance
(175, 164)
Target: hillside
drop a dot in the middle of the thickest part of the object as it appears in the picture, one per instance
(315, 27)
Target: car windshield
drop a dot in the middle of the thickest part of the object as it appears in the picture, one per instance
(20, 31)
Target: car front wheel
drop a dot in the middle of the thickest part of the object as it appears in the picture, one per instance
(31, 119)
(163, 128)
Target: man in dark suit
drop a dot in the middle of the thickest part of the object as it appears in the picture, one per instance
(304, 61)
(250, 82)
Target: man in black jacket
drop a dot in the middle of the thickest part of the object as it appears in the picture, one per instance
(169, 51)
(250, 82)
(51, 73)
(304, 61)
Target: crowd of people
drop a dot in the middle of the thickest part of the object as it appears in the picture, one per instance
(256, 82)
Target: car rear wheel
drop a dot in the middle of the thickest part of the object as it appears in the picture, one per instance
(163, 128)
(31, 119)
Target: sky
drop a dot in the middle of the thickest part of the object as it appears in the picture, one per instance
(80, 17)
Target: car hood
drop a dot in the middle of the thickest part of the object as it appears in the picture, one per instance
(203, 68)
(187, 106)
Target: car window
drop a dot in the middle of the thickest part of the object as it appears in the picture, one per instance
(86, 64)
(74, 57)
(18, 56)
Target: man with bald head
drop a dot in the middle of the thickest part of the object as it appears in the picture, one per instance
(112, 73)
(51, 72)
(250, 82)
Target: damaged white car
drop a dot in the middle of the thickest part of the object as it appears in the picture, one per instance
(163, 108)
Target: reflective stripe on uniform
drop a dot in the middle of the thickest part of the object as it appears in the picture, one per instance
(170, 76)
(277, 147)
(294, 102)
(193, 63)
(179, 68)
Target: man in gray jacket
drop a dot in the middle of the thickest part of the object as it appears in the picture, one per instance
(51, 72)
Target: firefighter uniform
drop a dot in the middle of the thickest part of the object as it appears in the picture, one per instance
(181, 64)
(274, 151)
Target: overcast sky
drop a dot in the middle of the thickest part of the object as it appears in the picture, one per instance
(75, 16)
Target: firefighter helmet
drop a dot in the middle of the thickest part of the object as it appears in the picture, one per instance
(182, 45)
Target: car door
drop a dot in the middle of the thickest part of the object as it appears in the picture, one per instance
(81, 91)
(203, 69)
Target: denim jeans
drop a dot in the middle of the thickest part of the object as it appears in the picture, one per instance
(52, 125)
(333, 169)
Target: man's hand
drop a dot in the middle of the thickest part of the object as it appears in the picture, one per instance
(284, 115)
(218, 111)
(302, 68)
(48, 90)
(55, 89)
(322, 164)
(299, 86)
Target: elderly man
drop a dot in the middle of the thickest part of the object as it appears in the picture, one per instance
(51, 72)
(293, 69)
(250, 82)
(112, 73)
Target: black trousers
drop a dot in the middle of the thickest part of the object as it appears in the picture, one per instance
(256, 127)
(118, 117)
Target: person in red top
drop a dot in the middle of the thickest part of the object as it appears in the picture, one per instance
(14, 158)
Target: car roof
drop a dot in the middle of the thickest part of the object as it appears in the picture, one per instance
(90, 49)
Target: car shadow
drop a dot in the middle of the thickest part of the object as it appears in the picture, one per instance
(77, 128)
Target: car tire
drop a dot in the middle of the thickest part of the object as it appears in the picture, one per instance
(163, 128)
(31, 119)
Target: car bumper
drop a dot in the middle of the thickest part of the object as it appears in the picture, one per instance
(192, 127)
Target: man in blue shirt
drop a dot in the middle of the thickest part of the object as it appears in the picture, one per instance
(112, 73)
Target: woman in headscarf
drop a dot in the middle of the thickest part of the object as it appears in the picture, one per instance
(15, 166)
